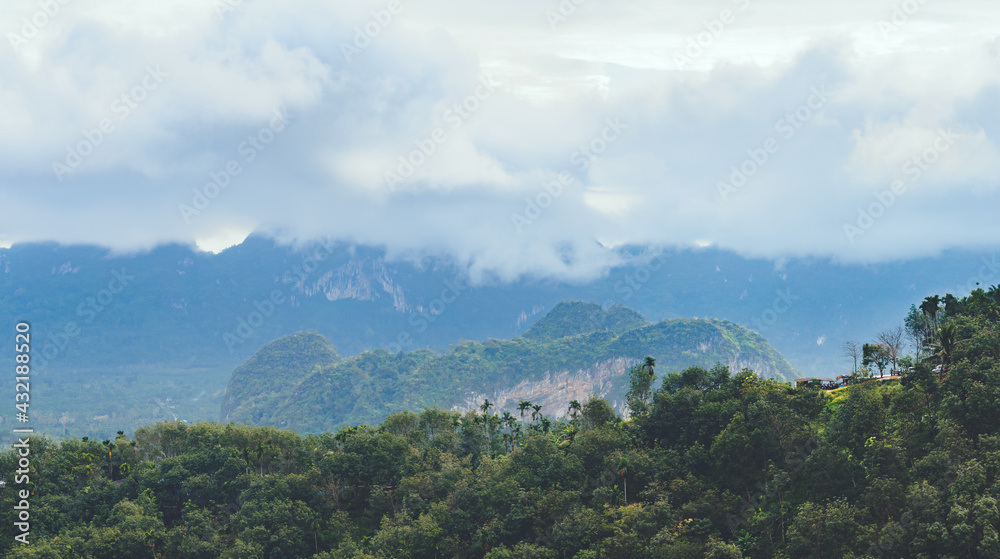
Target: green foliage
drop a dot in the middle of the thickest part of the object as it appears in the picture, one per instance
(640, 388)
(720, 465)
(317, 392)
(875, 354)
(597, 413)
(261, 383)
(573, 318)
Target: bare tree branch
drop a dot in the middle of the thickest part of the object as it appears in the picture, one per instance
(852, 350)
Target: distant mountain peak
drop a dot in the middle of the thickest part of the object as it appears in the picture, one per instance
(577, 349)
(572, 318)
(271, 372)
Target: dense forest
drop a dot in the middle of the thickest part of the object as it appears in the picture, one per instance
(712, 463)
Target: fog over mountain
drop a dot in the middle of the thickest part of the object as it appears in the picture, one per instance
(496, 279)
(179, 307)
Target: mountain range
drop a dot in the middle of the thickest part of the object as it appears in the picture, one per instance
(126, 339)
(577, 350)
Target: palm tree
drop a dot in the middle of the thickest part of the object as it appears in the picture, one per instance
(951, 305)
(623, 471)
(486, 406)
(648, 365)
(947, 346)
(110, 446)
(569, 433)
(522, 406)
(537, 411)
(493, 423)
(930, 308)
(574, 409)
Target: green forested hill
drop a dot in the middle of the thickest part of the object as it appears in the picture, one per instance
(319, 393)
(269, 376)
(571, 318)
(715, 465)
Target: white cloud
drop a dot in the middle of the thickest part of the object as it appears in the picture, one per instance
(895, 87)
(609, 201)
(222, 239)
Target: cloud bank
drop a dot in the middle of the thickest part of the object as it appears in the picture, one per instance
(518, 138)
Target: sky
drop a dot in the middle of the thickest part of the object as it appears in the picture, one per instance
(523, 137)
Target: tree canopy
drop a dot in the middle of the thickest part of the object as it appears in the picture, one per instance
(718, 464)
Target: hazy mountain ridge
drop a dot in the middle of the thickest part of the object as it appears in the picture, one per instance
(187, 301)
(196, 315)
(364, 279)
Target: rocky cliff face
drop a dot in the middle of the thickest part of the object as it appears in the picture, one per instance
(364, 279)
(557, 389)
(524, 317)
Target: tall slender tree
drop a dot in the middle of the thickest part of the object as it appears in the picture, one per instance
(946, 346)
(649, 364)
(852, 351)
(930, 307)
(522, 406)
(641, 379)
(574, 409)
(893, 339)
(918, 327)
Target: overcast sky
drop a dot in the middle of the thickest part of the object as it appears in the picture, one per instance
(775, 129)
